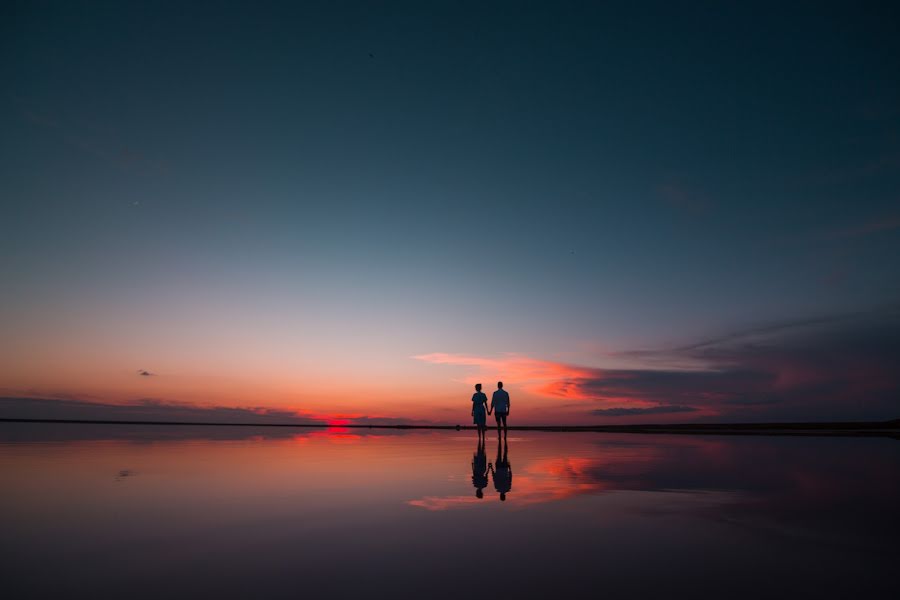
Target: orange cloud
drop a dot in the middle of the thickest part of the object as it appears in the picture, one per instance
(540, 377)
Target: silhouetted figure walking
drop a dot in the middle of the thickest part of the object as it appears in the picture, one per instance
(500, 407)
(479, 411)
(501, 471)
(480, 469)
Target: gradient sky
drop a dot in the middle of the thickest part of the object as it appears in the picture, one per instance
(632, 212)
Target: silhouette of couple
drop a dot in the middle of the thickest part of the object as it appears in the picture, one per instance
(499, 406)
(500, 470)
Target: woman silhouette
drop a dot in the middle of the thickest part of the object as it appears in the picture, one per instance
(479, 469)
(479, 411)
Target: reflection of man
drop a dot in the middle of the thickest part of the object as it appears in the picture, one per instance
(500, 407)
(502, 471)
(480, 469)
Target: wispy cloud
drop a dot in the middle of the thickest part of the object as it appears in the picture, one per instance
(121, 156)
(144, 409)
(871, 227)
(875, 166)
(653, 410)
(683, 197)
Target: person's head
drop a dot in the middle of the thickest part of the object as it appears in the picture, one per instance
(502, 496)
(499, 385)
(477, 387)
(479, 493)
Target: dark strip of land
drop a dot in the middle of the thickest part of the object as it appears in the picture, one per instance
(841, 428)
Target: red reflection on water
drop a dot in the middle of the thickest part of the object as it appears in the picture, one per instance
(445, 502)
(338, 434)
(545, 480)
(628, 463)
(332, 434)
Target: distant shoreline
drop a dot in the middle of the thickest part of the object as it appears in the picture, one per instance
(840, 428)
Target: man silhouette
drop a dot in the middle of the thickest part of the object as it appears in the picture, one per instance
(500, 407)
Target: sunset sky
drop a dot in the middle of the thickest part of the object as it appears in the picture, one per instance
(352, 212)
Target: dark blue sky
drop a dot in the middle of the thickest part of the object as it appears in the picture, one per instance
(339, 180)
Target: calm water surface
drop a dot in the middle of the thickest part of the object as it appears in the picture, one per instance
(230, 512)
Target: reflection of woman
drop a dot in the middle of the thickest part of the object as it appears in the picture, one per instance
(479, 411)
(479, 470)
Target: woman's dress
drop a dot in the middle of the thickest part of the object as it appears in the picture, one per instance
(479, 410)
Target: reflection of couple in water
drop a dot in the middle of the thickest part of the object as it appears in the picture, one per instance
(500, 470)
(499, 406)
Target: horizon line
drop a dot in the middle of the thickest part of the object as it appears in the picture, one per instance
(888, 428)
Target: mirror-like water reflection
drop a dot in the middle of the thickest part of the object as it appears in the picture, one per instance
(200, 511)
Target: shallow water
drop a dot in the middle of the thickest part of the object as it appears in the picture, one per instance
(110, 511)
